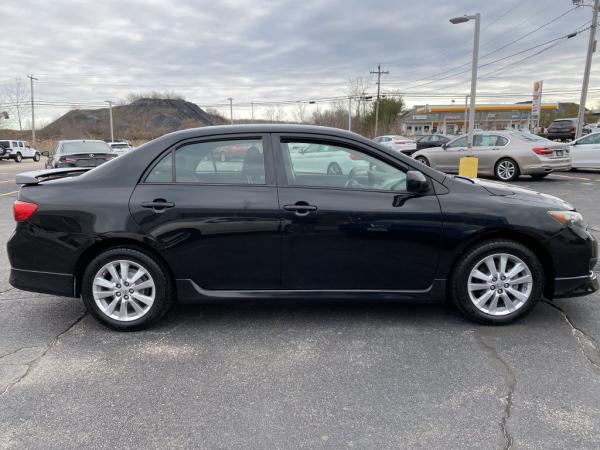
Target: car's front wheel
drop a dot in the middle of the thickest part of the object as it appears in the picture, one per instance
(423, 160)
(507, 170)
(126, 289)
(36, 157)
(497, 282)
(18, 157)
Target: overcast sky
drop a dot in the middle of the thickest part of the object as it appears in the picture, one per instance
(85, 52)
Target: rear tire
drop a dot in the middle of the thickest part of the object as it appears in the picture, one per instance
(423, 160)
(119, 300)
(506, 170)
(334, 169)
(485, 297)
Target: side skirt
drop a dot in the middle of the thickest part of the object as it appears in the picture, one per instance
(189, 291)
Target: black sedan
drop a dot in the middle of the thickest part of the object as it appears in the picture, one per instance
(433, 140)
(172, 221)
(79, 153)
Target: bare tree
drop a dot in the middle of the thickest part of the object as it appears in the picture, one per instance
(299, 112)
(16, 96)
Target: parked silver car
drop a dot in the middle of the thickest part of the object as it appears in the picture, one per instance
(503, 154)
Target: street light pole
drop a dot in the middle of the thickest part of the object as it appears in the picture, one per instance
(466, 112)
(586, 73)
(474, 64)
(110, 117)
(349, 113)
(31, 78)
(230, 110)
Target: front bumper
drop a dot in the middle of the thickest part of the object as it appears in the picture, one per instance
(576, 286)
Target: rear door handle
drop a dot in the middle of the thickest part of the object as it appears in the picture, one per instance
(158, 205)
(300, 208)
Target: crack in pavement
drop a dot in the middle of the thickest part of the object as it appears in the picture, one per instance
(587, 344)
(32, 363)
(511, 383)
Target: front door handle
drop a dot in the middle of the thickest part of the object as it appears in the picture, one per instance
(300, 208)
(158, 204)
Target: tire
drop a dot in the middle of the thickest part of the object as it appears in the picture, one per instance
(464, 287)
(539, 176)
(506, 170)
(18, 157)
(36, 157)
(423, 160)
(334, 169)
(158, 293)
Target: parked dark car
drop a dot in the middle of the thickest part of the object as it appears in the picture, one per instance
(433, 140)
(172, 222)
(79, 153)
(562, 129)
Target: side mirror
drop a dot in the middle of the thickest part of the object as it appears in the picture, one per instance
(416, 182)
(46, 154)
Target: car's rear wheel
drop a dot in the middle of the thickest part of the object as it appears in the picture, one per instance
(18, 157)
(507, 170)
(334, 169)
(126, 289)
(497, 282)
(422, 160)
(36, 157)
(539, 176)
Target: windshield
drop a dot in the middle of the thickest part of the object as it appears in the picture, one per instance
(85, 147)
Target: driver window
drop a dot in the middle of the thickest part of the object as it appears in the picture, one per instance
(460, 142)
(336, 166)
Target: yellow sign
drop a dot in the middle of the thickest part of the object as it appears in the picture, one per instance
(468, 167)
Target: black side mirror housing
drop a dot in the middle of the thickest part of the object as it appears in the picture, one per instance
(416, 182)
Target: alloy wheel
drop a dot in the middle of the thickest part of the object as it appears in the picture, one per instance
(334, 169)
(124, 290)
(506, 170)
(500, 284)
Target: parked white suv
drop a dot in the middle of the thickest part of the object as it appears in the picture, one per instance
(18, 150)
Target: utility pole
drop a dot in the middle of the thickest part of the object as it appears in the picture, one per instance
(252, 109)
(31, 79)
(112, 133)
(466, 112)
(349, 113)
(477, 19)
(379, 72)
(230, 110)
(588, 66)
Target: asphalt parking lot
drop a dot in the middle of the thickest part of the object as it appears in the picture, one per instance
(303, 374)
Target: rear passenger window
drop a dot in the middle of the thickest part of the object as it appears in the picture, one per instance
(218, 162)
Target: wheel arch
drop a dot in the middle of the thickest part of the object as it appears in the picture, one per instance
(115, 242)
(529, 241)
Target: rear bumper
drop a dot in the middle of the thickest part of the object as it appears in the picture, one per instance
(43, 282)
(576, 286)
(547, 167)
(569, 135)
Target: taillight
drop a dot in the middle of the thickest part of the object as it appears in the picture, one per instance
(399, 142)
(67, 160)
(353, 157)
(542, 151)
(23, 211)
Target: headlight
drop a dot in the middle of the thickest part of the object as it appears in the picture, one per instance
(569, 218)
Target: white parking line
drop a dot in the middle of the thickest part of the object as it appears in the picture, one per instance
(571, 177)
(8, 193)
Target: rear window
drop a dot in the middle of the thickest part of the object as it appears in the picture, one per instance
(119, 145)
(529, 137)
(563, 122)
(85, 147)
(4, 144)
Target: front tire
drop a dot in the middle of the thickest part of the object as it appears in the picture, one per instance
(18, 157)
(506, 170)
(126, 289)
(36, 157)
(423, 160)
(497, 282)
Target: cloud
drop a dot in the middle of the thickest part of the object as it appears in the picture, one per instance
(85, 52)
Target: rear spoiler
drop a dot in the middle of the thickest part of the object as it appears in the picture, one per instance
(37, 176)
